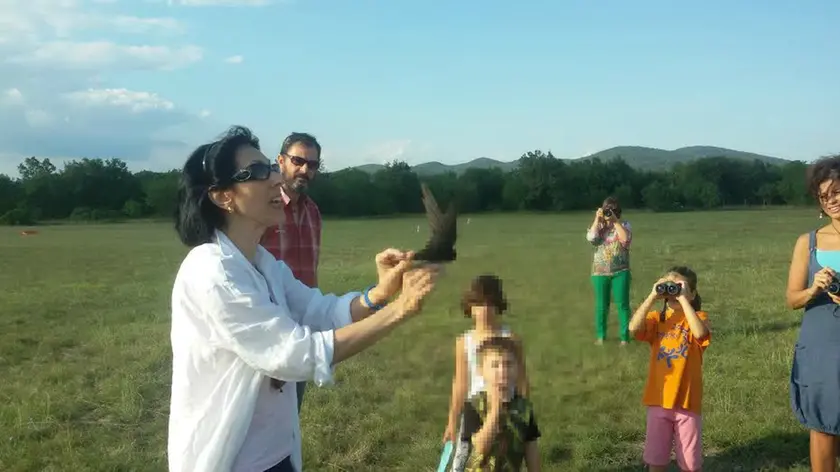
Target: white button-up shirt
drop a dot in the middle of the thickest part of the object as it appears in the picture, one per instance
(234, 326)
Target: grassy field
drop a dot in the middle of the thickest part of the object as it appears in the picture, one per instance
(85, 354)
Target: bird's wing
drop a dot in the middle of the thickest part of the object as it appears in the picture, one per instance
(433, 214)
(449, 223)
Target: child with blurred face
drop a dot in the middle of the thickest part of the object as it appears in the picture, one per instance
(484, 303)
(499, 422)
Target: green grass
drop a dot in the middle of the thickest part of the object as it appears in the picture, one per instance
(85, 355)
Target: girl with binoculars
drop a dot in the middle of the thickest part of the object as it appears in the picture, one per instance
(678, 335)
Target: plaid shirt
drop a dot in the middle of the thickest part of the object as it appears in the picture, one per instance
(297, 241)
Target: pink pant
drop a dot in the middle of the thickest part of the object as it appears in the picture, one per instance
(683, 428)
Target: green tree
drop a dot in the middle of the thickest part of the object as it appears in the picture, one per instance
(105, 190)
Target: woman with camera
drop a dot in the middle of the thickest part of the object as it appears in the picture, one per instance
(611, 237)
(815, 374)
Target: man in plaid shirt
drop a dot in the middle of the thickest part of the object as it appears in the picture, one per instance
(297, 240)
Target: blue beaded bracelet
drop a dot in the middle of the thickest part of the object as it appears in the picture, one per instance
(368, 302)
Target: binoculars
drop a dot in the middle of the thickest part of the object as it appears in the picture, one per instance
(673, 289)
(834, 286)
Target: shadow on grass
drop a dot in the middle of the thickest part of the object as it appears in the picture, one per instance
(724, 332)
(778, 326)
(557, 454)
(778, 451)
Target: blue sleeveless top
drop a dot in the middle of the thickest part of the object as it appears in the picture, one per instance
(828, 259)
(815, 373)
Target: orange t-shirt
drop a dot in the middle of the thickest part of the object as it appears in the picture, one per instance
(675, 375)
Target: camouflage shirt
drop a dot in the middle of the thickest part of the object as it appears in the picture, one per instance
(516, 428)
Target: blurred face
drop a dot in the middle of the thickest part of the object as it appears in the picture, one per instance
(298, 166)
(829, 198)
(611, 212)
(483, 313)
(255, 196)
(498, 369)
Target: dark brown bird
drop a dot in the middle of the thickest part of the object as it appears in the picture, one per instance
(441, 245)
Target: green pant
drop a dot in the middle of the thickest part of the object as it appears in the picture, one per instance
(620, 284)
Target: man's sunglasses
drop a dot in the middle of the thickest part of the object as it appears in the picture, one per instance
(256, 171)
(298, 161)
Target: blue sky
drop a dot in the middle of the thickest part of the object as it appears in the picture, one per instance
(148, 80)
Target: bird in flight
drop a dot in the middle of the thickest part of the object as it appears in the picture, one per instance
(441, 244)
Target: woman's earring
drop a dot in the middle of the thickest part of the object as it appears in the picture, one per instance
(821, 215)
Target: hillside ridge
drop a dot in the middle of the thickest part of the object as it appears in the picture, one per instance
(639, 157)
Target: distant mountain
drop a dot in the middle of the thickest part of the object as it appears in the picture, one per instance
(709, 151)
(434, 167)
(645, 158)
(638, 157)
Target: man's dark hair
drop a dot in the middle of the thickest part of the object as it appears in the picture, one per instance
(305, 139)
(485, 290)
(210, 166)
(827, 168)
(500, 344)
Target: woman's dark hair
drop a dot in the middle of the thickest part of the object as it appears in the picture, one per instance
(611, 203)
(484, 290)
(210, 166)
(691, 279)
(827, 168)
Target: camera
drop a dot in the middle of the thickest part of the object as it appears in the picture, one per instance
(834, 286)
(673, 289)
(608, 212)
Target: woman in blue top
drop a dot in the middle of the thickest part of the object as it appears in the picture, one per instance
(815, 375)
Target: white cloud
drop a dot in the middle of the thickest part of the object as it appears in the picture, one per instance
(215, 3)
(163, 156)
(30, 20)
(12, 96)
(93, 122)
(135, 102)
(36, 118)
(96, 55)
(133, 24)
(386, 151)
(58, 97)
(40, 34)
(382, 152)
(234, 60)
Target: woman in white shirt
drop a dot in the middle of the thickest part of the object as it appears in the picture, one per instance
(242, 325)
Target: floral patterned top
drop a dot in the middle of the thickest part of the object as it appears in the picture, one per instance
(611, 255)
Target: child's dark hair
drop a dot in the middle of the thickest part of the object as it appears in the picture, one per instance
(691, 279)
(485, 289)
(500, 344)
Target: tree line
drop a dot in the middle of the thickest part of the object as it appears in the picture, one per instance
(102, 190)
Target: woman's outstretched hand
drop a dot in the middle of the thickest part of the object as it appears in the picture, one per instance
(391, 264)
(417, 284)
